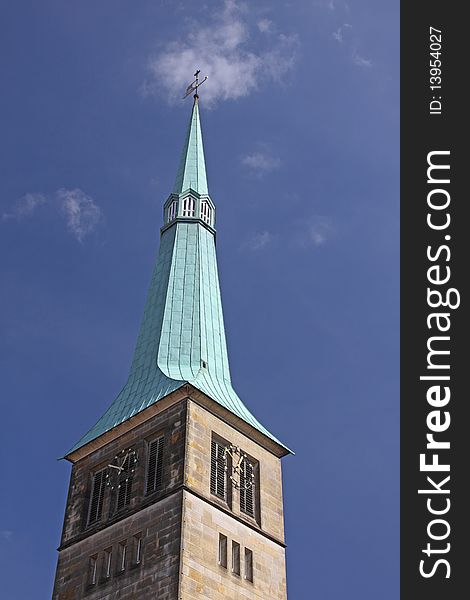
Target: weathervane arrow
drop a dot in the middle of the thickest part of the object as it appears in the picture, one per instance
(192, 87)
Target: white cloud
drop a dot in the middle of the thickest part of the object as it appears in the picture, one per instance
(316, 231)
(260, 162)
(339, 33)
(258, 241)
(25, 206)
(313, 231)
(82, 214)
(265, 26)
(345, 34)
(360, 61)
(224, 51)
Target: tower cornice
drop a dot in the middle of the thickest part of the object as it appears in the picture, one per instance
(187, 220)
(186, 392)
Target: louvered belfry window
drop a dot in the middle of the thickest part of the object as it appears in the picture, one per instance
(206, 212)
(96, 498)
(155, 465)
(172, 210)
(247, 488)
(188, 206)
(126, 478)
(218, 470)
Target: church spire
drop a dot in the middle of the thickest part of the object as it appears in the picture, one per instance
(192, 170)
(182, 334)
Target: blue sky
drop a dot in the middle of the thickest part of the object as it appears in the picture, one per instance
(300, 120)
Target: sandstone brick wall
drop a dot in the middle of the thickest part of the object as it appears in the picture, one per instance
(201, 425)
(157, 517)
(183, 513)
(204, 578)
(172, 424)
(155, 577)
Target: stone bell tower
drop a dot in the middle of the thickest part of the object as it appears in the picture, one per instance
(176, 492)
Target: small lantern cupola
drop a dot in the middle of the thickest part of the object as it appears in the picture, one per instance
(190, 197)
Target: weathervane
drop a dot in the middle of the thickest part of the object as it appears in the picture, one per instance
(192, 87)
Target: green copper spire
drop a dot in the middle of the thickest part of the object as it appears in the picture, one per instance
(182, 334)
(192, 169)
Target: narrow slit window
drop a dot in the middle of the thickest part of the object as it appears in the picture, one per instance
(218, 470)
(206, 212)
(188, 206)
(155, 465)
(92, 567)
(172, 211)
(122, 555)
(235, 558)
(223, 550)
(248, 564)
(138, 549)
(96, 499)
(107, 563)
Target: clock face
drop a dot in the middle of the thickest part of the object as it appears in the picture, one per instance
(242, 475)
(122, 467)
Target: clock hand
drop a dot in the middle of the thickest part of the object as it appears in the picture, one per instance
(116, 467)
(237, 467)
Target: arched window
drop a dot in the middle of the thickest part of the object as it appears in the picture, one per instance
(188, 207)
(172, 211)
(206, 212)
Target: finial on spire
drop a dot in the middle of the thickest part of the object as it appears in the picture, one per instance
(192, 87)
